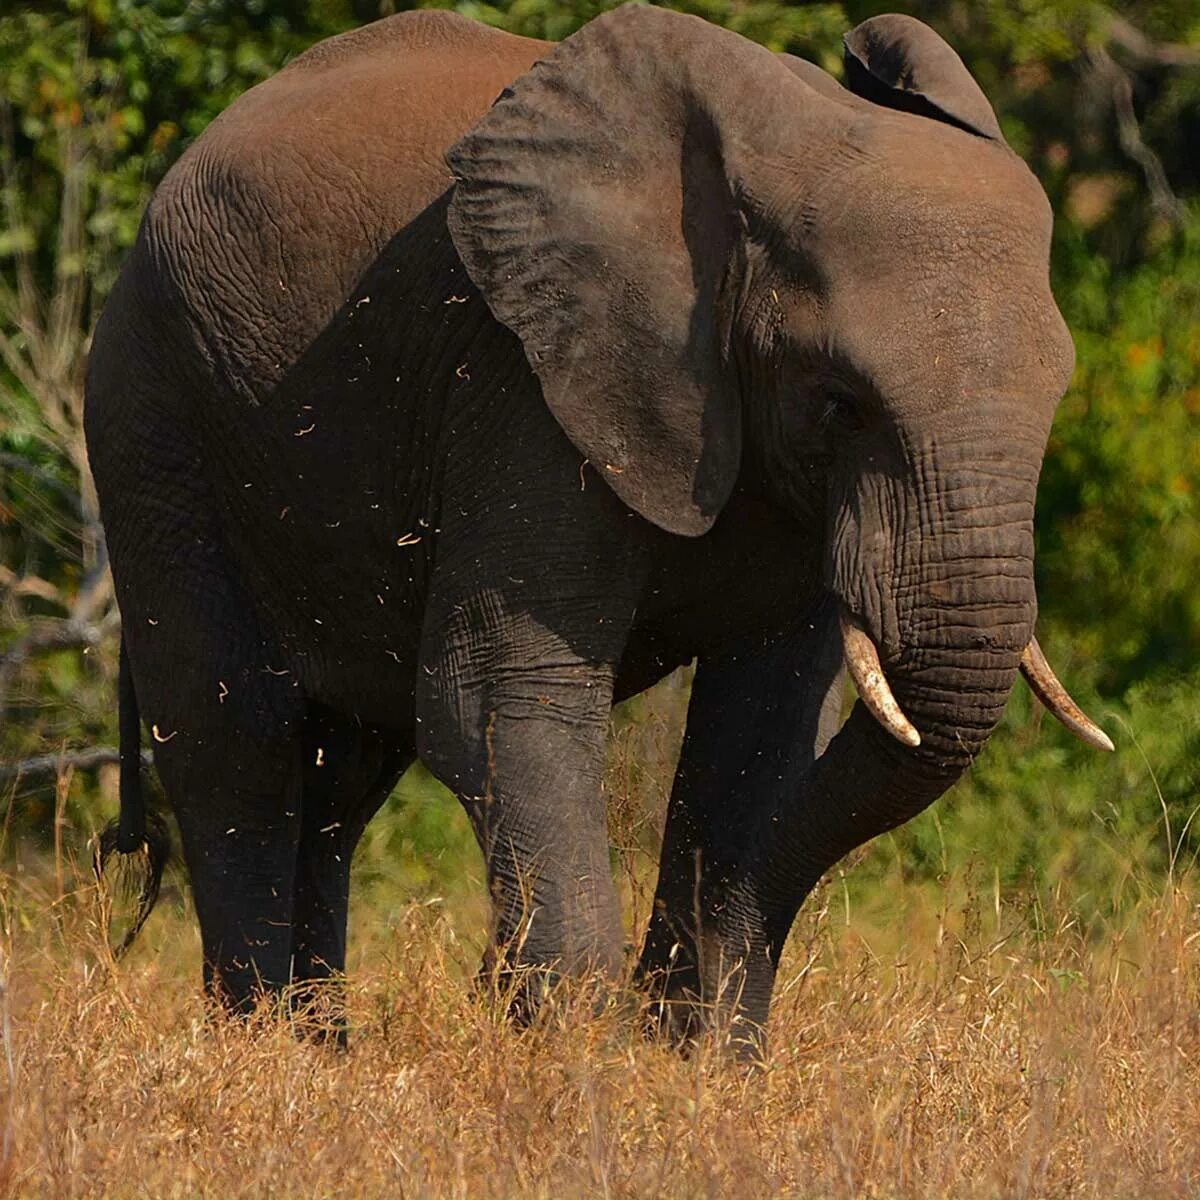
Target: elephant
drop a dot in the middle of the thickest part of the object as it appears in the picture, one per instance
(459, 385)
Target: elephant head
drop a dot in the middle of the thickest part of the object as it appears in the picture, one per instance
(728, 270)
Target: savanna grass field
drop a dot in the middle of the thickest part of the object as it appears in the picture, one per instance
(945, 1037)
(1000, 999)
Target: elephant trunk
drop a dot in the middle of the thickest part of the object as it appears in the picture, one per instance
(933, 564)
(950, 692)
(964, 586)
(943, 628)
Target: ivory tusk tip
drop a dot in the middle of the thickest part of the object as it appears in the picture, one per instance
(1046, 687)
(862, 660)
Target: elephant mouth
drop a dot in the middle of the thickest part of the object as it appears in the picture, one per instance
(862, 661)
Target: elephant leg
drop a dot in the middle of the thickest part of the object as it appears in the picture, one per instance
(538, 573)
(513, 717)
(348, 772)
(761, 712)
(226, 744)
(214, 693)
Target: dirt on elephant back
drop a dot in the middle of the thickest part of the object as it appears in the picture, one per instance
(980, 1050)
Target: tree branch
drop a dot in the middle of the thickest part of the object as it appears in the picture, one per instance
(47, 637)
(1145, 51)
(1115, 80)
(30, 585)
(33, 771)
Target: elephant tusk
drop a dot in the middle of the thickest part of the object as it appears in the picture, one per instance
(862, 659)
(1053, 695)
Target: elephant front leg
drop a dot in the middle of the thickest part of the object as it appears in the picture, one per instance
(761, 712)
(539, 817)
(513, 719)
(537, 574)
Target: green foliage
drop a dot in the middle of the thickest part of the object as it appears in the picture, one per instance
(1041, 811)
(99, 97)
(1118, 545)
(421, 841)
(814, 30)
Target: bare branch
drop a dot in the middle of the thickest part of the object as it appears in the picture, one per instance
(50, 636)
(30, 585)
(95, 595)
(31, 772)
(1144, 51)
(1116, 82)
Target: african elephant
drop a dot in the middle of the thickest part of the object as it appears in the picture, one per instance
(427, 426)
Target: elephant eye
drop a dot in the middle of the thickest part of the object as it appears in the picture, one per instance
(840, 411)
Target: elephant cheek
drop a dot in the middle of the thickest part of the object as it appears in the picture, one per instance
(863, 554)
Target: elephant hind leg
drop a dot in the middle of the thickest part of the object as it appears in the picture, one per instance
(223, 715)
(215, 694)
(226, 740)
(348, 771)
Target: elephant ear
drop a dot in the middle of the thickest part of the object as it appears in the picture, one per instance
(592, 210)
(899, 62)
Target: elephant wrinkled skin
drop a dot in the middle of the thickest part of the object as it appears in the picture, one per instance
(427, 426)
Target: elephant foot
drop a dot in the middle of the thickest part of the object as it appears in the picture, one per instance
(532, 994)
(520, 991)
(681, 1016)
(316, 1009)
(684, 1019)
(698, 991)
(312, 1009)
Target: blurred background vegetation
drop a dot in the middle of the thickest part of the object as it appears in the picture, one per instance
(99, 97)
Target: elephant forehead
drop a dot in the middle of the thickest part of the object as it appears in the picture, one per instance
(911, 195)
(937, 267)
(951, 341)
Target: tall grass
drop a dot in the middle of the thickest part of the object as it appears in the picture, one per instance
(952, 1037)
(1002, 1057)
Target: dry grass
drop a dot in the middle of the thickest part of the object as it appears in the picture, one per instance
(927, 1041)
(985, 1054)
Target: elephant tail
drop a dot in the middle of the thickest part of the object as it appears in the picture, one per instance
(139, 836)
